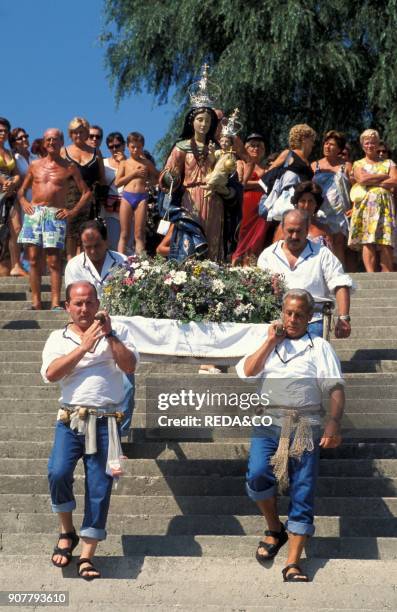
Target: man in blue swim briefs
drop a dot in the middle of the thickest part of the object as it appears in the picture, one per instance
(44, 225)
(135, 175)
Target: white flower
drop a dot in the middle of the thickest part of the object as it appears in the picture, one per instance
(180, 278)
(239, 310)
(239, 296)
(218, 286)
(139, 273)
(145, 265)
(126, 275)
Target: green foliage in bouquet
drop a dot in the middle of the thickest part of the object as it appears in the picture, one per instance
(193, 291)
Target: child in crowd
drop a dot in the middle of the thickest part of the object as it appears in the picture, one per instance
(135, 175)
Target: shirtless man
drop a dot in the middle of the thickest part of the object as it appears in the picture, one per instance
(133, 174)
(44, 225)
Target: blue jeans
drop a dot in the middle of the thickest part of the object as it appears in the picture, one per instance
(316, 328)
(261, 483)
(68, 448)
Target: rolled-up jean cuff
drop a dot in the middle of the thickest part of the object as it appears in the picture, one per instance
(95, 534)
(259, 495)
(300, 528)
(65, 507)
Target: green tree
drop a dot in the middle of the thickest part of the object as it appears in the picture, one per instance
(327, 63)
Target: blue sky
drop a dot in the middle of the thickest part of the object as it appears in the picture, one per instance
(53, 69)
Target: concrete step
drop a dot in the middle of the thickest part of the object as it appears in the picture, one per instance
(370, 365)
(193, 525)
(219, 584)
(205, 485)
(363, 354)
(22, 304)
(203, 546)
(160, 505)
(224, 449)
(375, 284)
(367, 291)
(210, 467)
(365, 345)
(378, 300)
(209, 584)
(370, 276)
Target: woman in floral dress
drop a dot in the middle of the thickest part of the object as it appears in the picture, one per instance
(373, 218)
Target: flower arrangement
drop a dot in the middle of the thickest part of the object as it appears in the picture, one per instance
(193, 291)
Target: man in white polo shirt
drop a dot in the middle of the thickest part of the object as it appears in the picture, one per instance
(88, 357)
(307, 265)
(96, 263)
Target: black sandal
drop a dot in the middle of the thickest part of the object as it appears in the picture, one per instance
(65, 552)
(272, 549)
(82, 572)
(295, 577)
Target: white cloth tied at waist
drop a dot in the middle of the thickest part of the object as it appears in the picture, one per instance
(87, 427)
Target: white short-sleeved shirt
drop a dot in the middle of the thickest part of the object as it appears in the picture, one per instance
(81, 268)
(96, 380)
(308, 366)
(317, 270)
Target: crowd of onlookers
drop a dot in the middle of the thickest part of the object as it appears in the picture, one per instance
(350, 205)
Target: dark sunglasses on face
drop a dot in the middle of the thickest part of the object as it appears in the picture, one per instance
(23, 137)
(114, 146)
(96, 136)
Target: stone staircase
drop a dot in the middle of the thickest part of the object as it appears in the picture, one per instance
(182, 532)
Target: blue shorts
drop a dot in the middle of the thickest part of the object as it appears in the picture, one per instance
(43, 229)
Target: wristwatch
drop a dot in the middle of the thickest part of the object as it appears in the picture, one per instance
(111, 334)
(344, 318)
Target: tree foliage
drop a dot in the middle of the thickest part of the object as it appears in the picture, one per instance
(329, 63)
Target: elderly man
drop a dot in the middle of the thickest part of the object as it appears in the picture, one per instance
(88, 357)
(310, 266)
(44, 224)
(295, 369)
(96, 262)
